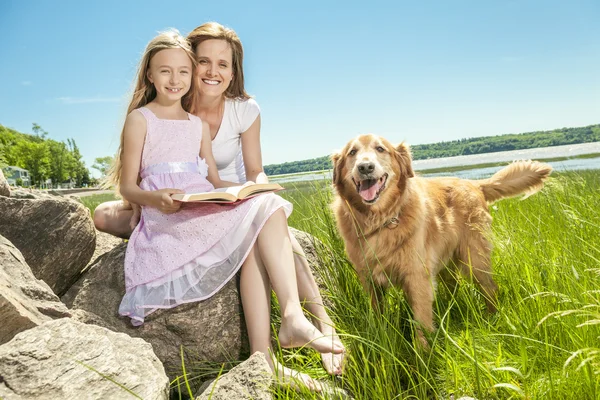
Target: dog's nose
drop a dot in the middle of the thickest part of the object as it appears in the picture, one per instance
(366, 167)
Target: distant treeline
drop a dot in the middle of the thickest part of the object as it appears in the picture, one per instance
(479, 145)
(44, 158)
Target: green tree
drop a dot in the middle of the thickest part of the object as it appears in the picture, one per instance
(60, 159)
(39, 132)
(35, 157)
(103, 164)
(77, 170)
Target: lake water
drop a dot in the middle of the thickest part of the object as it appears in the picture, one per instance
(502, 156)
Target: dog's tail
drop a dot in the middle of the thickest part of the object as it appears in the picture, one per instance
(517, 178)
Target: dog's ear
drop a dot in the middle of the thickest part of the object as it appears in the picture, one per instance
(404, 158)
(336, 159)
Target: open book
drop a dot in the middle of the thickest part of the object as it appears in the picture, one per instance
(230, 194)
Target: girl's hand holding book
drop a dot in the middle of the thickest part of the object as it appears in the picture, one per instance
(162, 200)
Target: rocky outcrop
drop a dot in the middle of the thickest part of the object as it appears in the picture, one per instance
(66, 359)
(250, 380)
(25, 302)
(211, 330)
(55, 235)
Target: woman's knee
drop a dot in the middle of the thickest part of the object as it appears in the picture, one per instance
(100, 217)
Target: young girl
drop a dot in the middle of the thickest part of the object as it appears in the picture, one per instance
(179, 254)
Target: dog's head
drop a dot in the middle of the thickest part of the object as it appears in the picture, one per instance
(371, 171)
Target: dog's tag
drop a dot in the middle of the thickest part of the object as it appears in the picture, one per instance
(393, 222)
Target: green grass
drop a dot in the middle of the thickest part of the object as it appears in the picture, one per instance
(92, 201)
(544, 342)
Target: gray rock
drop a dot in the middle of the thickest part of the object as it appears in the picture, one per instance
(4, 187)
(56, 236)
(105, 242)
(28, 193)
(249, 380)
(211, 330)
(65, 359)
(25, 302)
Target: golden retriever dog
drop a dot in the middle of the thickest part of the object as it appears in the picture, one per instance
(400, 229)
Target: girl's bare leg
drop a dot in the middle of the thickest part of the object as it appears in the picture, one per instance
(311, 296)
(114, 217)
(255, 291)
(275, 251)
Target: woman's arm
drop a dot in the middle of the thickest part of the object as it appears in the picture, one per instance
(134, 134)
(252, 153)
(207, 155)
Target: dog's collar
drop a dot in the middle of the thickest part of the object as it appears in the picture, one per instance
(390, 224)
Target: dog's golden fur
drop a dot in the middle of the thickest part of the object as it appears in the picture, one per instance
(401, 229)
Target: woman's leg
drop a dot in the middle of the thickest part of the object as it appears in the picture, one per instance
(311, 296)
(276, 253)
(255, 291)
(114, 217)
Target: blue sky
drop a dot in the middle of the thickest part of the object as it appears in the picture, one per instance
(322, 72)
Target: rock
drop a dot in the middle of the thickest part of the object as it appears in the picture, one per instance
(28, 193)
(249, 380)
(211, 330)
(4, 187)
(105, 242)
(65, 359)
(55, 235)
(25, 302)
(87, 317)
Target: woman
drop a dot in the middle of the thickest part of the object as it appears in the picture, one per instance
(234, 121)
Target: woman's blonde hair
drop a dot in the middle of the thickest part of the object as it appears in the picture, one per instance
(214, 30)
(144, 91)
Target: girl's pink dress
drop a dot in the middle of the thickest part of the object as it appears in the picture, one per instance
(187, 256)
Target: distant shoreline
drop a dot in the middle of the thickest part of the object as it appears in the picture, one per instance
(455, 167)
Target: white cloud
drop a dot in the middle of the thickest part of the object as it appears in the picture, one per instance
(83, 100)
(26, 83)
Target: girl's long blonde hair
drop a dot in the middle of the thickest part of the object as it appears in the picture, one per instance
(144, 91)
(214, 30)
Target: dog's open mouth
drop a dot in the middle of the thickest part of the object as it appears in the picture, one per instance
(369, 189)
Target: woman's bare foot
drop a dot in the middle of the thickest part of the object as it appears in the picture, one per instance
(297, 331)
(333, 363)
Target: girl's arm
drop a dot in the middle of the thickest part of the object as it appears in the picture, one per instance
(207, 155)
(252, 154)
(134, 134)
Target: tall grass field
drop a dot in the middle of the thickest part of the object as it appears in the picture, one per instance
(543, 343)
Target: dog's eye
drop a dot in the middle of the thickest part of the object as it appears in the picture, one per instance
(352, 152)
(380, 149)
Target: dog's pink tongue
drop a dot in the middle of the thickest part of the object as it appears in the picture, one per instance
(368, 189)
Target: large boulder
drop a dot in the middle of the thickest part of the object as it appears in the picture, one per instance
(56, 236)
(65, 359)
(25, 302)
(251, 380)
(4, 188)
(105, 242)
(210, 330)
